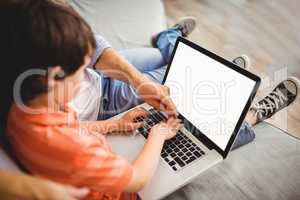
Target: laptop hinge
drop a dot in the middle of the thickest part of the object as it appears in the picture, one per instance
(200, 136)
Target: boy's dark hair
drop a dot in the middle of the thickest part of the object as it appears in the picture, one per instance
(39, 34)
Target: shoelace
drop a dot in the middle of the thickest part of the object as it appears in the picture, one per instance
(271, 102)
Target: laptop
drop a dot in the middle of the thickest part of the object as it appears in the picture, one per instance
(212, 96)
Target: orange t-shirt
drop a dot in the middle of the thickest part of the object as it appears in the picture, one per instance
(51, 145)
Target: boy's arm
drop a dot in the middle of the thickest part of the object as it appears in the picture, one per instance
(108, 126)
(125, 124)
(98, 168)
(143, 167)
(98, 127)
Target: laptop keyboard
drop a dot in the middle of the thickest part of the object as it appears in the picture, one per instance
(178, 151)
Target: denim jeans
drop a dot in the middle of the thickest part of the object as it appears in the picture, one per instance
(118, 96)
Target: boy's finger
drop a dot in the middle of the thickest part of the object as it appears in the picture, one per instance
(133, 126)
(178, 126)
(139, 112)
(170, 120)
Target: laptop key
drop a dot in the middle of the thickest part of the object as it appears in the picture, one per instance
(197, 154)
(167, 160)
(179, 161)
(173, 155)
(172, 163)
(189, 154)
(192, 149)
(177, 142)
(192, 158)
(180, 154)
(188, 145)
(174, 168)
(144, 133)
(184, 158)
(180, 146)
(168, 150)
(176, 150)
(164, 155)
(185, 150)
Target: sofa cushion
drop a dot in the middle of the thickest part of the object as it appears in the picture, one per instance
(6, 163)
(125, 24)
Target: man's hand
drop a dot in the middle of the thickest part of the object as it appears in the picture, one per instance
(157, 96)
(64, 192)
(16, 186)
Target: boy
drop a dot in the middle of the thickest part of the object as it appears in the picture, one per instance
(45, 55)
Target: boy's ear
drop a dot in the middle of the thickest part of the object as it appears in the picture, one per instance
(54, 74)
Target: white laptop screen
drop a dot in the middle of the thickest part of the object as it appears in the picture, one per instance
(209, 94)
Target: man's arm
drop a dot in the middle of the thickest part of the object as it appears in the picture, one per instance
(112, 64)
(16, 186)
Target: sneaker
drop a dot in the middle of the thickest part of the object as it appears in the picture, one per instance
(242, 61)
(185, 25)
(283, 95)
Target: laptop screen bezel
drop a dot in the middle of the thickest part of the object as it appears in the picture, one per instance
(194, 130)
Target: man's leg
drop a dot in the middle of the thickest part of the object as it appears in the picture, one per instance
(246, 133)
(283, 95)
(166, 41)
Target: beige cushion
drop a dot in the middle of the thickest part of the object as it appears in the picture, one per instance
(6, 163)
(124, 24)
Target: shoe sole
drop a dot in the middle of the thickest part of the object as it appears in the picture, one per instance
(188, 18)
(247, 61)
(297, 82)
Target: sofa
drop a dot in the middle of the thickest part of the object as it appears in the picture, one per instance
(268, 168)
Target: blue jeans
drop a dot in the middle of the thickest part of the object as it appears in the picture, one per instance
(118, 96)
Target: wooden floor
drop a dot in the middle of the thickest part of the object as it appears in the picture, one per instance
(267, 31)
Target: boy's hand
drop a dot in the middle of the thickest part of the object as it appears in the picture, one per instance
(127, 124)
(168, 128)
